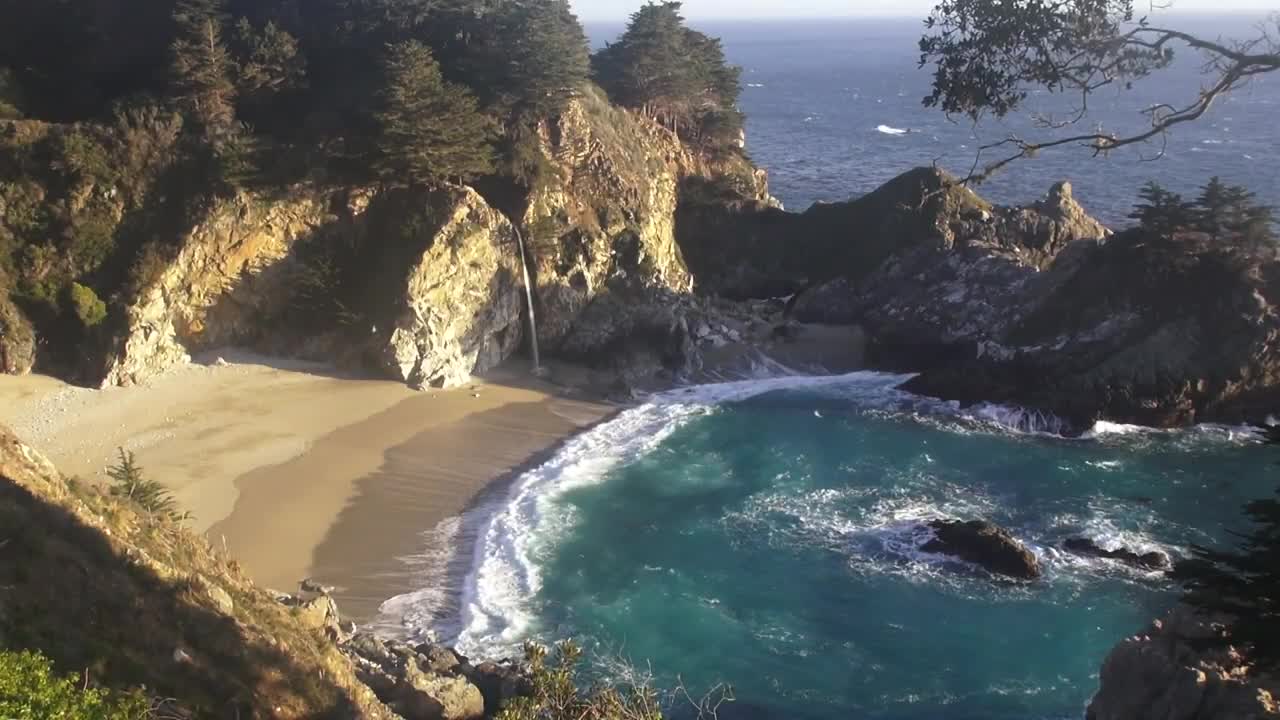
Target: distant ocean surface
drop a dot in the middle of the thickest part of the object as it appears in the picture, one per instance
(767, 533)
(834, 110)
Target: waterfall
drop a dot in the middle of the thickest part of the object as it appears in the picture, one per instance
(528, 294)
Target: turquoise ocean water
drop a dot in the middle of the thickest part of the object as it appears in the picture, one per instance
(765, 534)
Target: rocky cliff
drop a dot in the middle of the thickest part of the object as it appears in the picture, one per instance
(1165, 673)
(425, 286)
(1039, 305)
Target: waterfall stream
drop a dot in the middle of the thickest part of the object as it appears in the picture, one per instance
(528, 294)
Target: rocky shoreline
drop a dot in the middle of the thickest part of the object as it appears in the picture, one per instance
(423, 681)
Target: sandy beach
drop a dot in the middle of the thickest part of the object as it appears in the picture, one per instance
(302, 472)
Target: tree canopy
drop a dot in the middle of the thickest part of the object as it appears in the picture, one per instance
(1229, 213)
(432, 130)
(988, 55)
(673, 74)
(1244, 584)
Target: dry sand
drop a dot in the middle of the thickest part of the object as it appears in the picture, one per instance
(302, 472)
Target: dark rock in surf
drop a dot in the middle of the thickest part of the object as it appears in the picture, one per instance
(1153, 560)
(986, 544)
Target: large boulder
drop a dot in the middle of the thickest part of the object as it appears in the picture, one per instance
(1168, 673)
(459, 305)
(1153, 560)
(423, 695)
(985, 544)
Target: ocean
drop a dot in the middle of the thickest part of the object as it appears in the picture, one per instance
(834, 110)
(766, 534)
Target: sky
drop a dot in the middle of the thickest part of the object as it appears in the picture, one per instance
(598, 10)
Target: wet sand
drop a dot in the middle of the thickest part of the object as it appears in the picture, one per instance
(300, 471)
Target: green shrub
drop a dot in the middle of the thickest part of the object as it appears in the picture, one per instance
(92, 239)
(88, 306)
(127, 481)
(556, 695)
(85, 157)
(29, 690)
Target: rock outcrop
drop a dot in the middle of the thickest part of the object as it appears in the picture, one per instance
(431, 682)
(224, 279)
(985, 544)
(1039, 306)
(17, 337)
(435, 296)
(1166, 673)
(1153, 560)
(1142, 328)
(459, 306)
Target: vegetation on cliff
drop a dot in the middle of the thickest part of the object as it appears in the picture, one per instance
(110, 154)
(125, 598)
(1242, 584)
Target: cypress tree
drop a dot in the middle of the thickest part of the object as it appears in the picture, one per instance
(432, 131)
(672, 74)
(539, 57)
(1162, 211)
(203, 67)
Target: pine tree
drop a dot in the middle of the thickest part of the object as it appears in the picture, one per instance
(432, 130)
(1162, 212)
(1213, 207)
(1243, 584)
(648, 68)
(538, 57)
(270, 59)
(203, 67)
(672, 74)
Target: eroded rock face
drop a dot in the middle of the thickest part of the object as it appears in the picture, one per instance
(436, 298)
(985, 544)
(1146, 329)
(229, 272)
(608, 213)
(1161, 674)
(461, 301)
(17, 338)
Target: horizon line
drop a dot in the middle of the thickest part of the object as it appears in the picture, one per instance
(1216, 12)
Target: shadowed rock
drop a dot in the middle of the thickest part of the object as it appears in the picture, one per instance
(1153, 560)
(986, 544)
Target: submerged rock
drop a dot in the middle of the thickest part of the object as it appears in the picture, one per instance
(1154, 560)
(985, 544)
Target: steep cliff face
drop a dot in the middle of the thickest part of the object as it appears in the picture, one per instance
(606, 211)
(420, 285)
(229, 270)
(459, 304)
(17, 337)
(1146, 329)
(1163, 674)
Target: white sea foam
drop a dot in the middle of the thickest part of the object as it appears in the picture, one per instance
(493, 614)
(480, 598)
(888, 130)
